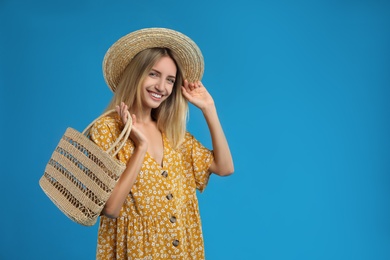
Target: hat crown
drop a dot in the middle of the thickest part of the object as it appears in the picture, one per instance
(119, 55)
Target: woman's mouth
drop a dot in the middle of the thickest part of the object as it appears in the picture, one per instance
(155, 96)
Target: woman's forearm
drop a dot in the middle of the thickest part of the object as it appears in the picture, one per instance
(223, 161)
(124, 184)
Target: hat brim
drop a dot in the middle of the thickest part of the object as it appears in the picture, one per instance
(123, 51)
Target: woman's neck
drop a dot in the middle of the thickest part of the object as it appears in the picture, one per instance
(144, 117)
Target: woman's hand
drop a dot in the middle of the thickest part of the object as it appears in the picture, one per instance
(197, 94)
(122, 112)
(136, 135)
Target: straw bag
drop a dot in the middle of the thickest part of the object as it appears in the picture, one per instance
(80, 176)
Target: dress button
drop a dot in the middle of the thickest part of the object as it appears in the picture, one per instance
(175, 242)
(169, 196)
(165, 174)
(172, 219)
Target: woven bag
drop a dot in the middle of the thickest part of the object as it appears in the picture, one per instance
(80, 176)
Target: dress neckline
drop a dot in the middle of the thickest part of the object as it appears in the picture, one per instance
(161, 164)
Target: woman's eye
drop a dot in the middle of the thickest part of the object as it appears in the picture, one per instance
(172, 81)
(153, 74)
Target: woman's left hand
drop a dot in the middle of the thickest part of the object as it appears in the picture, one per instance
(197, 94)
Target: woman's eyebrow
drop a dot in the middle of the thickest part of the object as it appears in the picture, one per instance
(170, 76)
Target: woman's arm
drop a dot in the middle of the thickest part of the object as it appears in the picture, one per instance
(122, 188)
(126, 181)
(198, 95)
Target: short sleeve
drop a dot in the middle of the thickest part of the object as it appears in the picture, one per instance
(105, 131)
(197, 159)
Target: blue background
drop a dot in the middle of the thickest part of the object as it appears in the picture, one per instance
(302, 89)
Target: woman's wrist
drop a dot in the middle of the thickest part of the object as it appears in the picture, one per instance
(142, 148)
(207, 110)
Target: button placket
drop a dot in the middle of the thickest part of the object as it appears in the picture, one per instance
(172, 218)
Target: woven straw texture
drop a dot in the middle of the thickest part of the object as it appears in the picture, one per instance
(80, 176)
(123, 51)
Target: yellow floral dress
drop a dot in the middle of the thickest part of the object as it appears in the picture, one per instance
(160, 217)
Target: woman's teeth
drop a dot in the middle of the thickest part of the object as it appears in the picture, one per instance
(156, 95)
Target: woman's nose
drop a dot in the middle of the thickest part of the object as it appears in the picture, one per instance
(159, 85)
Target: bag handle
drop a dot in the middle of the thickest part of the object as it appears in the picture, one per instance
(121, 138)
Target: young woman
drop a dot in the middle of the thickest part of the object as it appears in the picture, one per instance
(153, 210)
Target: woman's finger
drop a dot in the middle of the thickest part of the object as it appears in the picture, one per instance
(191, 86)
(133, 117)
(185, 86)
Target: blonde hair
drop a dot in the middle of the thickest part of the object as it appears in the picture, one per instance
(171, 115)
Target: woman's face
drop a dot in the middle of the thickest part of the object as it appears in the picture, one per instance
(159, 82)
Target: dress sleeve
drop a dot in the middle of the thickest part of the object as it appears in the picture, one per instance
(198, 159)
(105, 131)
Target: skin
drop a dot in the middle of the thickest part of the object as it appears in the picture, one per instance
(148, 139)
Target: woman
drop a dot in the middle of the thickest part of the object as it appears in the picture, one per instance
(153, 211)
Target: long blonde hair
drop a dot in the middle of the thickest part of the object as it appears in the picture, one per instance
(171, 115)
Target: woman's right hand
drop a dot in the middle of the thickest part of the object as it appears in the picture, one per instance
(122, 112)
(136, 135)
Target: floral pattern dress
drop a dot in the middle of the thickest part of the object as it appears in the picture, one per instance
(160, 217)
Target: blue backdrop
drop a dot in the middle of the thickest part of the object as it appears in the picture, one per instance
(302, 89)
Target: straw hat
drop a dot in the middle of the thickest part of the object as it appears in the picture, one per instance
(123, 51)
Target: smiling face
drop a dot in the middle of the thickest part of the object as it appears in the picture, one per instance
(159, 83)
